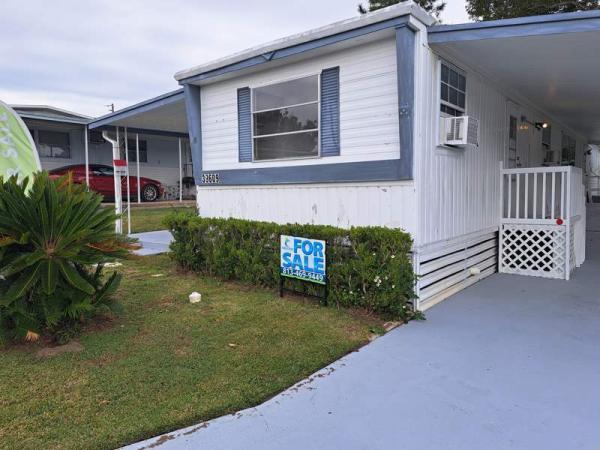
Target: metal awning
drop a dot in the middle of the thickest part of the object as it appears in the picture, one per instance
(553, 61)
(164, 115)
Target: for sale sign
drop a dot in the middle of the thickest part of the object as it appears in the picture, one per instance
(120, 166)
(303, 258)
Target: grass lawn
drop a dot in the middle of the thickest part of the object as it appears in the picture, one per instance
(150, 218)
(165, 364)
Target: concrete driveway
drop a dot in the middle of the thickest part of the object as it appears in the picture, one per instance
(153, 242)
(511, 363)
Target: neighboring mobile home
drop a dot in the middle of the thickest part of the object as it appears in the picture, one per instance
(470, 137)
(60, 137)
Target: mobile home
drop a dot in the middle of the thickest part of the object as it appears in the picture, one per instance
(469, 137)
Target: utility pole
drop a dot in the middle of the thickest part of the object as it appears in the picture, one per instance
(111, 107)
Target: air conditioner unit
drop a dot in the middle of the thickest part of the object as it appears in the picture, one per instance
(459, 131)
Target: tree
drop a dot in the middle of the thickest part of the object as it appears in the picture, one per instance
(435, 7)
(506, 9)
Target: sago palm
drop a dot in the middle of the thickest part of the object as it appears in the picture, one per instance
(54, 239)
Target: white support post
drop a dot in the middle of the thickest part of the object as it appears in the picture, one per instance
(117, 184)
(526, 210)
(127, 180)
(137, 159)
(87, 157)
(502, 199)
(567, 221)
(535, 193)
(180, 175)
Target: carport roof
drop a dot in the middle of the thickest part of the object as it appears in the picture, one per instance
(553, 61)
(164, 114)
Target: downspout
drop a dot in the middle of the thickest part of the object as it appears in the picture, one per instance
(117, 180)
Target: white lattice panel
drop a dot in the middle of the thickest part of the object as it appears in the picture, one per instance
(535, 250)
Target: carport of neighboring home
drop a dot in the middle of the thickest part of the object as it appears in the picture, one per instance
(162, 122)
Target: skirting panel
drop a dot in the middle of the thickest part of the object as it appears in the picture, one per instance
(534, 250)
(445, 268)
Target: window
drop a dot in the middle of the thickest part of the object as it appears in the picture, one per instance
(453, 91)
(285, 119)
(132, 151)
(54, 144)
(569, 146)
(95, 137)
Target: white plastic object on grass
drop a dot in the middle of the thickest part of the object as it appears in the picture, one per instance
(195, 297)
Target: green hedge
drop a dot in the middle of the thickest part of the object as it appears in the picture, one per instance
(368, 267)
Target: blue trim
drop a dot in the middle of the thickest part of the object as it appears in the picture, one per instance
(364, 171)
(576, 22)
(405, 60)
(145, 106)
(244, 125)
(297, 49)
(330, 112)
(147, 131)
(194, 117)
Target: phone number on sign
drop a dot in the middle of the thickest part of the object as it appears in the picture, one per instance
(303, 275)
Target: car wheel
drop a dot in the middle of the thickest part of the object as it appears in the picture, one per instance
(150, 193)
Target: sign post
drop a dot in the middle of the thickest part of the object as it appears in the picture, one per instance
(303, 259)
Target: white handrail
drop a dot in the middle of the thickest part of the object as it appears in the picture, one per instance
(542, 198)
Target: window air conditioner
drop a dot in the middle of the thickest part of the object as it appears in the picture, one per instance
(460, 131)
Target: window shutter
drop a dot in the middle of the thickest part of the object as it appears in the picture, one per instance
(330, 112)
(244, 125)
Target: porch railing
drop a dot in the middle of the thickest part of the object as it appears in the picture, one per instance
(542, 221)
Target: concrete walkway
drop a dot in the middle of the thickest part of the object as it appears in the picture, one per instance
(153, 242)
(512, 362)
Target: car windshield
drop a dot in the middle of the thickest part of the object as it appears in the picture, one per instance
(104, 171)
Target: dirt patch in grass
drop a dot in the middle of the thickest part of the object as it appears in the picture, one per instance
(70, 347)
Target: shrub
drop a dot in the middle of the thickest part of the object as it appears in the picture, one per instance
(368, 267)
(54, 239)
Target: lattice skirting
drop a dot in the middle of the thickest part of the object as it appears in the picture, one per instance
(535, 250)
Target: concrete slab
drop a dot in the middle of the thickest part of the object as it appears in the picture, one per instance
(512, 362)
(153, 242)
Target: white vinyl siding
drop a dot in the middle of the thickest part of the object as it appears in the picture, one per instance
(342, 205)
(368, 107)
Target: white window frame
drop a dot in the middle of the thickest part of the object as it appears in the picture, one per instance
(318, 129)
(38, 143)
(443, 62)
(132, 149)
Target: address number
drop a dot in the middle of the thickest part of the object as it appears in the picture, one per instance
(210, 178)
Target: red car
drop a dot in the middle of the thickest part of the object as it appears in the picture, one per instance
(102, 181)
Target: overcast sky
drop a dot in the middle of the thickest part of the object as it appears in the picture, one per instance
(84, 54)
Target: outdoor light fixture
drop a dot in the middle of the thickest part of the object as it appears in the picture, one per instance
(538, 125)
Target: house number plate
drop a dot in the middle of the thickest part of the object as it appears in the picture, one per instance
(210, 178)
